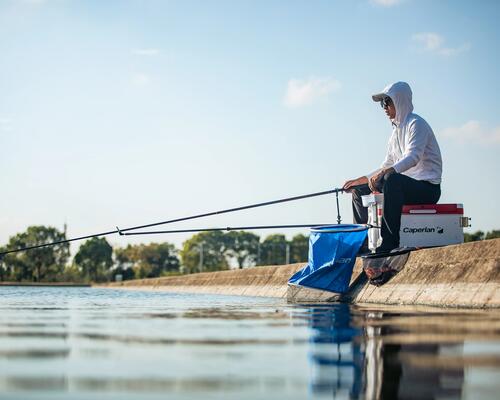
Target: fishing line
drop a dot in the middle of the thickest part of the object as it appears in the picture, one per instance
(229, 210)
(228, 229)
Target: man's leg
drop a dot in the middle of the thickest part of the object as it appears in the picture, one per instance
(359, 212)
(399, 190)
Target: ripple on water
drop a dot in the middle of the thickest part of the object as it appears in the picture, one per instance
(81, 342)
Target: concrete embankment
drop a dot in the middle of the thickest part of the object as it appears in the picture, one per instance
(45, 284)
(466, 275)
(268, 281)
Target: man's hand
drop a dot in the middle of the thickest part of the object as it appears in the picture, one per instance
(362, 180)
(375, 180)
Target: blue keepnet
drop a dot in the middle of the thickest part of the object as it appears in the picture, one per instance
(332, 254)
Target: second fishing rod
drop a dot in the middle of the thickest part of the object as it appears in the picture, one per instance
(191, 217)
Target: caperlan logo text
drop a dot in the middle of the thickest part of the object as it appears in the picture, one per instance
(419, 230)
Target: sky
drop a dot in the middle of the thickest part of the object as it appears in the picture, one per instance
(122, 113)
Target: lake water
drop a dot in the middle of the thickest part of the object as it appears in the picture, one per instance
(88, 343)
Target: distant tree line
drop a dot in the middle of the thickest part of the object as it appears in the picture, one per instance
(480, 235)
(97, 261)
(211, 251)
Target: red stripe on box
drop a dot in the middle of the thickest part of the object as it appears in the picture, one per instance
(433, 209)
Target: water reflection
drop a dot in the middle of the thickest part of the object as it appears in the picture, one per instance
(336, 353)
(82, 342)
(359, 353)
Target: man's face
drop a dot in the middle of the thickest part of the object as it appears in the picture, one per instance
(389, 107)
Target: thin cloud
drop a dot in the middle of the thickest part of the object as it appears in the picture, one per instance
(473, 132)
(300, 93)
(146, 52)
(448, 51)
(435, 43)
(141, 79)
(386, 3)
(5, 124)
(35, 2)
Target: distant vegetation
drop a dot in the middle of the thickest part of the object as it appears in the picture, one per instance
(480, 235)
(97, 261)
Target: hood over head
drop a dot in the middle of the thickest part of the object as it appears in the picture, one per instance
(401, 95)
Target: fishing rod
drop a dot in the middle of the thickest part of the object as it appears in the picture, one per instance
(228, 229)
(263, 204)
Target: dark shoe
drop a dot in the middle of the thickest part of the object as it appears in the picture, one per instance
(385, 249)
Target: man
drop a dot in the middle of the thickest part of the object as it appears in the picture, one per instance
(411, 171)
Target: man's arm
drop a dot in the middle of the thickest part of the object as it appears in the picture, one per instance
(374, 181)
(418, 137)
(362, 180)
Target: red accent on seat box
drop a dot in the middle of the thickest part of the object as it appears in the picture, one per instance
(434, 209)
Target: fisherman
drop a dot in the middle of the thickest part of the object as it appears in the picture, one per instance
(411, 171)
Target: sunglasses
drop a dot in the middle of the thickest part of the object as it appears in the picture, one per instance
(386, 102)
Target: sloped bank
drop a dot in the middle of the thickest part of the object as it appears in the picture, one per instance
(465, 275)
(270, 281)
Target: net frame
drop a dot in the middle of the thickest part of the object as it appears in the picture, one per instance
(340, 228)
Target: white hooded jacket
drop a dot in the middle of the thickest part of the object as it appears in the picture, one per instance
(412, 149)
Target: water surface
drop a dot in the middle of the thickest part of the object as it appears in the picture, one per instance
(87, 343)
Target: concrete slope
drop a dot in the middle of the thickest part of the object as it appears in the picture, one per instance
(270, 281)
(466, 275)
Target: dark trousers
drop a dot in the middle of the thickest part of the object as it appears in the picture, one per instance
(398, 190)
